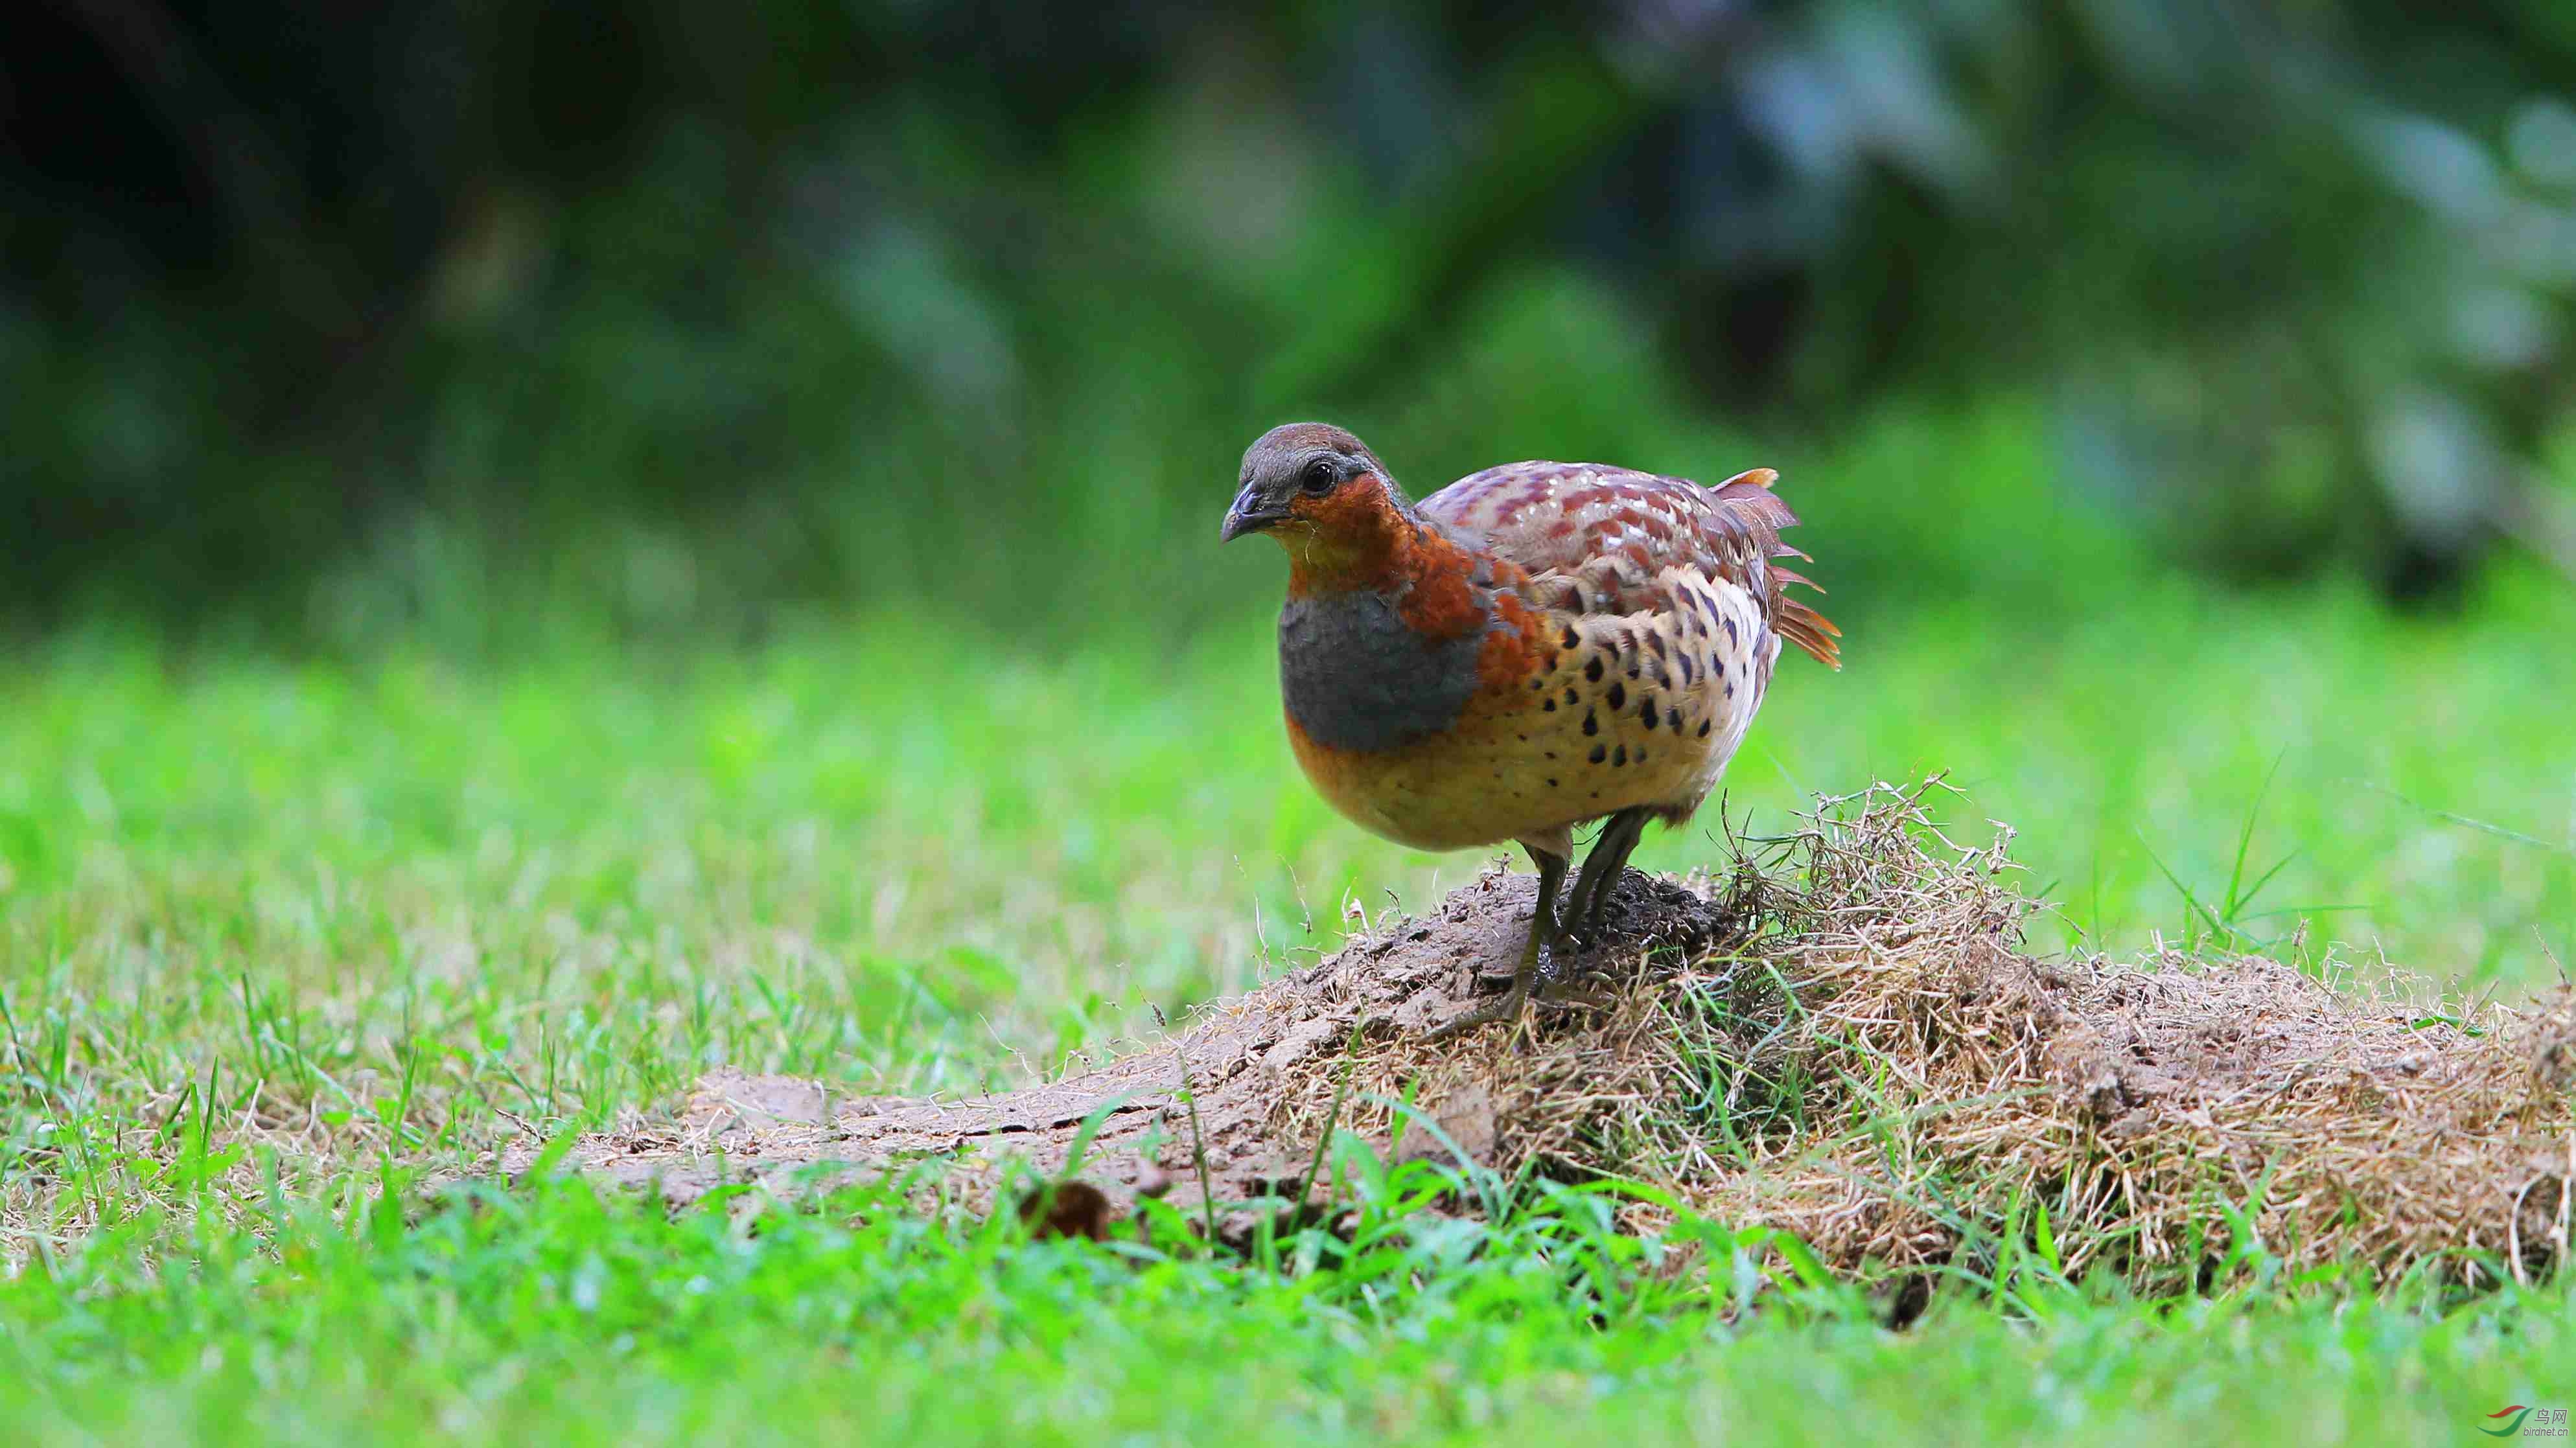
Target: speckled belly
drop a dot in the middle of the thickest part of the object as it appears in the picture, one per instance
(1641, 709)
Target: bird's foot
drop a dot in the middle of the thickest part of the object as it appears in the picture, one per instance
(1547, 987)
(1527, 975)
(1562, 995)
(1504, 1007)
(1558, 964)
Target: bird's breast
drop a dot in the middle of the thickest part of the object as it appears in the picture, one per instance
(1355, 675)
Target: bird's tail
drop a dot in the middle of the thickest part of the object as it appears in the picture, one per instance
(1797, 621)
(1803, 626)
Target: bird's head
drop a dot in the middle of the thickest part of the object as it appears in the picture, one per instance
(1315, 488)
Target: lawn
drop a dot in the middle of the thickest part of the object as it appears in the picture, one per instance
(383, 912)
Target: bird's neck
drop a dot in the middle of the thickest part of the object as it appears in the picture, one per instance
(1374, 544)
(1355, 543)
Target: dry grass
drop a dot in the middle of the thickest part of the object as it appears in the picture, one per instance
(1866, 1058)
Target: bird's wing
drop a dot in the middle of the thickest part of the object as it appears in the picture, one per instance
(1593, 534)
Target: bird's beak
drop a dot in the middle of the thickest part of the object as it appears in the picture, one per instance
(1251, 513)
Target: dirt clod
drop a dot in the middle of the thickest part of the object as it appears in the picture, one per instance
(1068, 1209)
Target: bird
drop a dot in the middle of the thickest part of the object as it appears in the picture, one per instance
(1530, 650)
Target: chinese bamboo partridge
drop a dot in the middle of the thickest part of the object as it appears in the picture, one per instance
(1531, 648)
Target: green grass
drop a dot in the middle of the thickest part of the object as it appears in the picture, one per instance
(383, 914)
(552, 1315)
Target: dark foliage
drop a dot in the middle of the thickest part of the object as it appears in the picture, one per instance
(289, 284)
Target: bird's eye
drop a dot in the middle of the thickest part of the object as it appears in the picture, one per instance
(1319, 477)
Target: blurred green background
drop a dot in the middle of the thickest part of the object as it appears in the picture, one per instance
(422, 316)
(817, 415)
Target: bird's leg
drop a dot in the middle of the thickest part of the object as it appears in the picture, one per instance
(1580, 899)
(1601, 871)
(1612, 873)
(1543, 929)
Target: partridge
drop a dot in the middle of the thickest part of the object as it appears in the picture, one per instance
(1532, 648)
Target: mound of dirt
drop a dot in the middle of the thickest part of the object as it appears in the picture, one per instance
(1843, 1039)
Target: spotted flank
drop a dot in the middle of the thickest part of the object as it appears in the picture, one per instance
(1654, 700)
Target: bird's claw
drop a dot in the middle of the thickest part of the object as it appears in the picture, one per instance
(1582, 999)
(1503, 1007)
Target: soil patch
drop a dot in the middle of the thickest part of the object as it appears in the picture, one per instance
(1842, 1038)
